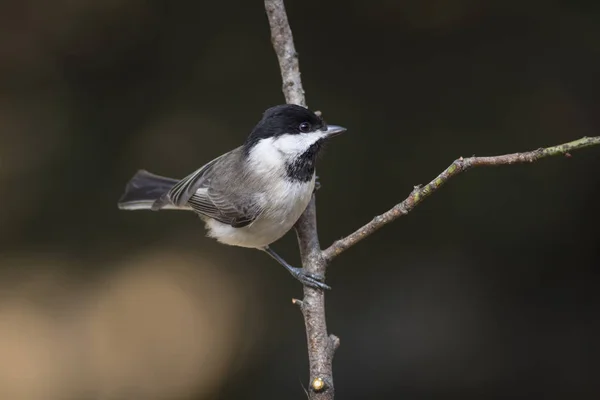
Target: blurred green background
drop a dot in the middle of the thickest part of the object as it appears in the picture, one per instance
(488, 290)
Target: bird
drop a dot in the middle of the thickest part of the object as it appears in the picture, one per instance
(252, 195)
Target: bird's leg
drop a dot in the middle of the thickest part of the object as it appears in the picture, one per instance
(308, 279)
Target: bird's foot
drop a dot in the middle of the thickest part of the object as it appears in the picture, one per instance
(307, 279)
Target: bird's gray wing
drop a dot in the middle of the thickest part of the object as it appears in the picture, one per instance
(182, 192)
(216, 204)
(214, 195)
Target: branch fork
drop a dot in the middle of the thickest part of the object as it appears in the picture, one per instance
(321, 345)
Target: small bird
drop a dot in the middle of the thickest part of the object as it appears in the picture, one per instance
(252, 195)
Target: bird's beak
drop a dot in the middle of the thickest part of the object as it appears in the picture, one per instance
(334, 130)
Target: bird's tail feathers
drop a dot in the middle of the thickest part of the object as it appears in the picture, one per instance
(144, 189)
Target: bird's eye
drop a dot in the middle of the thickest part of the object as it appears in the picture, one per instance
(304, 127)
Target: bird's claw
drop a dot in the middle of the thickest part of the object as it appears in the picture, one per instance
(308, 279)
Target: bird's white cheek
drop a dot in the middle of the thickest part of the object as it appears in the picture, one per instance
(296, 144)
(270, 155)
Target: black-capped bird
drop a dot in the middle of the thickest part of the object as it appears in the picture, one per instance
(254, 194)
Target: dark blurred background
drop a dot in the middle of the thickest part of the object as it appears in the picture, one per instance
(487, 290)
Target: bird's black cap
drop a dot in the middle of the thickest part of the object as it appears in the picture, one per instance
(285, 118)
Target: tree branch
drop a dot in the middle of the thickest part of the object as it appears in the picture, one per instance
(321, 345)
(419, 193)
(283, 43)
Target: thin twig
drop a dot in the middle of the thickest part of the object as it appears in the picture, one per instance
(462, 164)
(321, 345)
(283, 43)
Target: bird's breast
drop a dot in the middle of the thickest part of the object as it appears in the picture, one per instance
(281, 206)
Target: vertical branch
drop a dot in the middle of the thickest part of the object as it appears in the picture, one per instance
(321, 346)
(283, 43)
